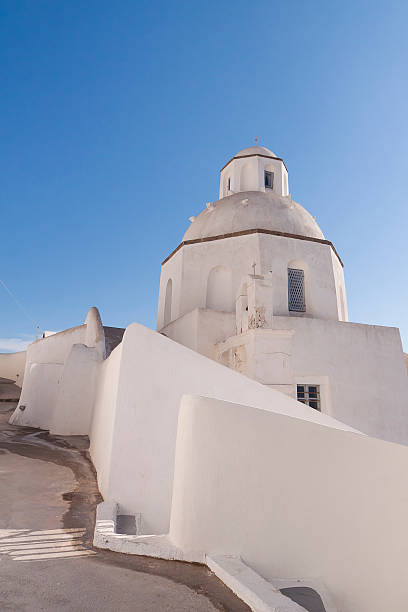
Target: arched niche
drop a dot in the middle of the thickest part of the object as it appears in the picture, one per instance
(245, 177)
(168, 302)
(219, 289)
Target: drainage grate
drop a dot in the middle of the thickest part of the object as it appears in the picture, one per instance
(126, 523)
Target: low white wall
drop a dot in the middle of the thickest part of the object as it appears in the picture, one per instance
(294, 500)
(103, 419)
(154, 373)
(12, 366)
(72, 412)
(59, 378)
(39, 395)
(44, 366)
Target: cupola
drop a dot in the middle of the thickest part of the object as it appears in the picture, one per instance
(254, 169)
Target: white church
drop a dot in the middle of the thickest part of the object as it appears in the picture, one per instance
(257, 430)
(255, 285)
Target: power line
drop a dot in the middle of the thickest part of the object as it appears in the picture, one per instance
(17, 301)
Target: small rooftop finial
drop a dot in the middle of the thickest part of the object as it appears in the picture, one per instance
(256, 140)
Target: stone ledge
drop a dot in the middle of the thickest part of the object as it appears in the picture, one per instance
(259, 594)
(158, 546)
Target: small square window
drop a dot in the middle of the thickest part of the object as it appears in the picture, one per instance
(268, 179)
(309, 395)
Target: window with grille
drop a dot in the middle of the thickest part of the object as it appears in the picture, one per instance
(310, 395)
(268, 179)
(296, 290)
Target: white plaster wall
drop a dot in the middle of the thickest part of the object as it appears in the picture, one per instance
(12, 366)
(270, 253)
(72, 411)
(360, 368)
(45, 366)
(172, 269)
(38, 396)
(103, 418)
(55, 348)
(342, 307)
(201, 329)
(247, 174)
(310, 502)
(278, 252)
(184, 330)
(154, 373)
(364, 366)
(237, 254)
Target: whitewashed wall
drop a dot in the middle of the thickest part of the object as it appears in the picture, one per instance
(363, 367)
(311, 501)
(191, 267)
(133, 433)
(73, 407)
(44, 365)
(12, 366)
(59, 379)
(201, 329)
(247, 174)
(103, 419)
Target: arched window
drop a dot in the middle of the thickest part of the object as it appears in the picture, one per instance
(296, 290)
(167, 302)
(219, 289)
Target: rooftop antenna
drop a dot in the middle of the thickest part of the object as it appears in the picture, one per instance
(256, 140)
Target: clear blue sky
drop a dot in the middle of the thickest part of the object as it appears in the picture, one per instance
(117, 116)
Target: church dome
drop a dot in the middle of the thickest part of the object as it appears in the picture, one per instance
(253, 210)
(257, 150)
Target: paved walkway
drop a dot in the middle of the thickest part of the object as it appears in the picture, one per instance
(48, 495)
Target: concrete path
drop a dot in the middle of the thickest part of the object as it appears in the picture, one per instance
(48, 495)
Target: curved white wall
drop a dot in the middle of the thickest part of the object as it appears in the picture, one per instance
(12, 366)
(141, 404)
(59, 378)
(310, 501)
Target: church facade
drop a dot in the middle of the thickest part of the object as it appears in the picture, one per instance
(255, 285)
(235, 434)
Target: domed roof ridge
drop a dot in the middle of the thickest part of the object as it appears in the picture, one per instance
(249, 210)
(255, 150)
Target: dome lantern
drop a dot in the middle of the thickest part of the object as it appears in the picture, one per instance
(254, 169)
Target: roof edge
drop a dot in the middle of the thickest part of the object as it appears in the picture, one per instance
(254, 155)
(254, 231)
